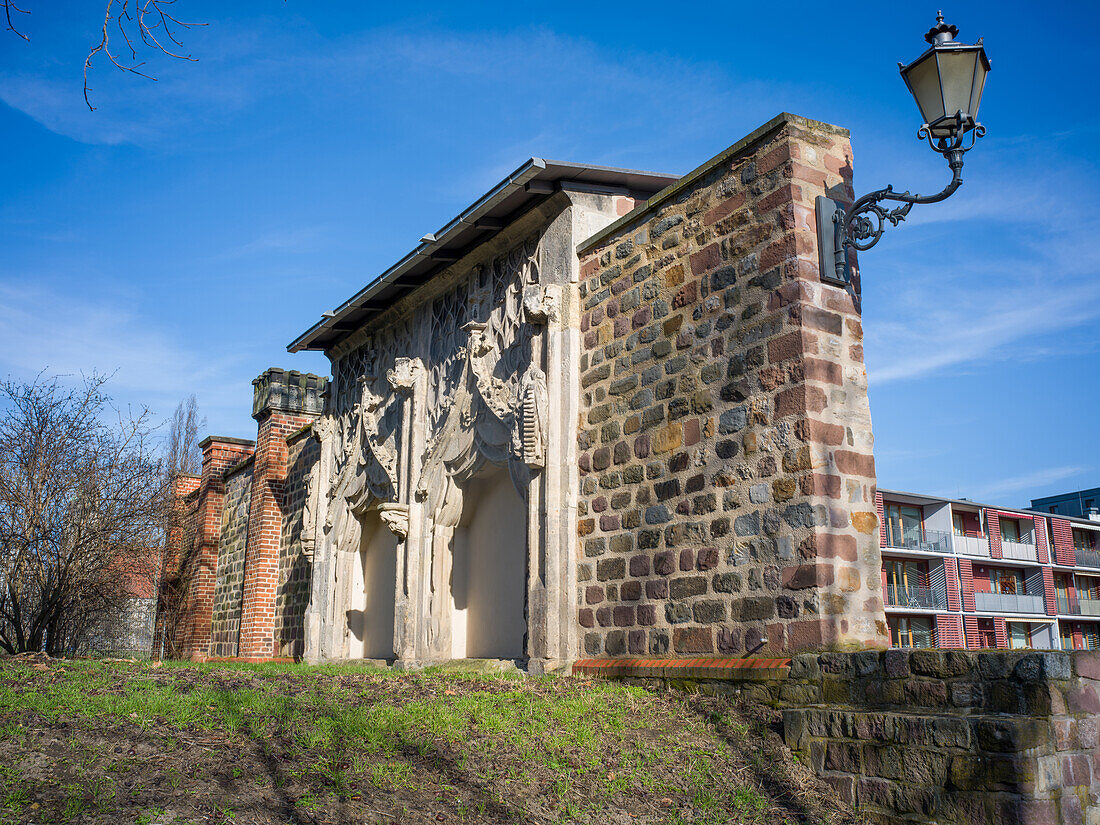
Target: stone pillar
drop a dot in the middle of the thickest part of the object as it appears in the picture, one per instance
(728, 482)
(199, 565)
(283, 402)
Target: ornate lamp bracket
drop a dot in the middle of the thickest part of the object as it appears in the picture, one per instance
(860, 225)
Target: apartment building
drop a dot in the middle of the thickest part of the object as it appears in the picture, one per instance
(956, 573)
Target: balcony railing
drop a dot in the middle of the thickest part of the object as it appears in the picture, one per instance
(928, 541)
(1008, 603)
(971, 545)
(1078, 607)
(1019, 550)
(1087, 558)
(923, 598)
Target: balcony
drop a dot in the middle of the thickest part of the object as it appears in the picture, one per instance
(1008, 603)
(1088, 558)
(921, 598)
(1019, 550)
(1079, 607)
(926, 541)
(971, 545)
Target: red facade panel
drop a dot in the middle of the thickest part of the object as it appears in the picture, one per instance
(1063, 542)
(954, 595)
(1048, 592)
(993, 527)
(1041, 539)
(1001, 632)
(949, 632)
(973, 638)
(966, 579)
(881, 509)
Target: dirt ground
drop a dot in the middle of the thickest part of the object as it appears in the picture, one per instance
(121, 742)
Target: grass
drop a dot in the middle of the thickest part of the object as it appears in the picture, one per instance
(281, 742)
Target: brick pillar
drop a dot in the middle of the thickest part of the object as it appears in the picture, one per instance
(725, 449)
(199, 567)
(283, 402)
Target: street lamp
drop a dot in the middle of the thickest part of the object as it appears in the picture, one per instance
(946, 82)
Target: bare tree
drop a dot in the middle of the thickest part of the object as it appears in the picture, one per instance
(182, 454)
(82, 500)
(148, 25)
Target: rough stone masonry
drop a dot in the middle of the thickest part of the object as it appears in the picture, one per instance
(727, 490)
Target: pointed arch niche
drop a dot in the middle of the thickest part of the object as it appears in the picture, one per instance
(489, 569)
(370, 611)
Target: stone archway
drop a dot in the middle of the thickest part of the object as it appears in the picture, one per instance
(489, 570)
(371, 602)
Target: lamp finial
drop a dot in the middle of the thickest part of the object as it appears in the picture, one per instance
(941, 33)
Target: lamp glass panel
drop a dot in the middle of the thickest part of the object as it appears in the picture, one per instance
(957, 76)
(924, 83)
(979, 86)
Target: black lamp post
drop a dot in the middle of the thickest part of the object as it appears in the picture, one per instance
(947, 83)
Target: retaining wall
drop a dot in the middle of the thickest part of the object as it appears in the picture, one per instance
(925, 736)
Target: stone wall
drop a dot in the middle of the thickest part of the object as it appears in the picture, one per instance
(923, 736)
(727, 480)
(228, 591)
(295, 555)
(952, 736)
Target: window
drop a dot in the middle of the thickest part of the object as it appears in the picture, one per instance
(911, 631)
(1006, 582)
(1066, 635)
(1019, 635)
(1083, 540)
(1010, 530)
(1090, 636)
(903, 525)
(1053, 508)
(1089, 503)
(958, 524)
(1088, 587)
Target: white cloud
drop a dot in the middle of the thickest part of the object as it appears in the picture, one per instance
(1031, 481)
(43, 330)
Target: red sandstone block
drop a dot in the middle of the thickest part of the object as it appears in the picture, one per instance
(799, 400)
(813, 177)
(791, 345)
(803, 576)
(777, 157)
(778, 251)
(828, 372)
(727, 207)
(811, 634)
(818, 432)
(705, 259)
(780, 197)
(856, 464)
(831, 546)
(839, 166)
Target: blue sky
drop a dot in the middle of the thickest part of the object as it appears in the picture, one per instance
(182, 234)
